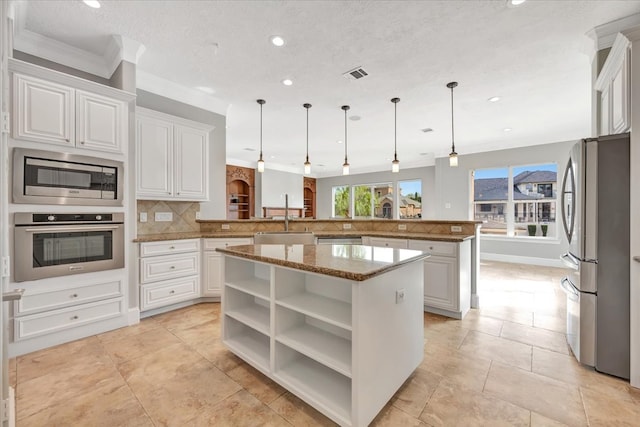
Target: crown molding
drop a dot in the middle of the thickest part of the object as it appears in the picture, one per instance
(154, 84)
(122, 49)
(604, 35)
(614, 61)
(38, 45)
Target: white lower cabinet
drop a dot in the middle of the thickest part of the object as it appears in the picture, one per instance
(447, 277)
(213, 265)
(53, 311)
(167, 277)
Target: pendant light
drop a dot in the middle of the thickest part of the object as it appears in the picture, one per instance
(260, 161)
(307, 163)
(395, 164)
(453, 156)
(345, 166)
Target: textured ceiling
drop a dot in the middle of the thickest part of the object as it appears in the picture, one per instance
(535, 57)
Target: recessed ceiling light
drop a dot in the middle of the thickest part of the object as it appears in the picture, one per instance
(355, 118)
(206, 89)
(277, 41)
(494, 99)
(92, 3)
(249, 149)
(515, 2)
(424, 154)
(272, 157)
(339, 141)
(426, 130)
(320, 164)
(287, 82)
(507, 129)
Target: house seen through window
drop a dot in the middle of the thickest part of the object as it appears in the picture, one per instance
(517, 201)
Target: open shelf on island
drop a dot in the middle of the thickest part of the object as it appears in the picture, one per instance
(251, 344)
(254, 286)
(313, 381)
(318, 340)
(324, 298)
(248, 309)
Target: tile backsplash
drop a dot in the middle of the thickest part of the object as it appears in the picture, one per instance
(184, 217)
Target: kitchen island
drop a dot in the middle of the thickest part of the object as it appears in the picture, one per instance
(340, 326)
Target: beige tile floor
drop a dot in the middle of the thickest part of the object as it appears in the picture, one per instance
(506, 364)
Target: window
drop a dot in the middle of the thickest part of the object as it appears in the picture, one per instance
(378, 200)
(410, 203)
(341, 201)
(517, 201)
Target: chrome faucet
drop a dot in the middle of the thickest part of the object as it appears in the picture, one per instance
(286, 212)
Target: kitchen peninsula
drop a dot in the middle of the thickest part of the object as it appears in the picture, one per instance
(340, 326)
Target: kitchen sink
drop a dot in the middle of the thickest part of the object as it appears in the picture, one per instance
(285, 238)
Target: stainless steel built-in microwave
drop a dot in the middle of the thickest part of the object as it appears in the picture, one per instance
(47, 177)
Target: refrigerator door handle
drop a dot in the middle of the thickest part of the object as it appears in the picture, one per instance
(570, 261)
(571, 291)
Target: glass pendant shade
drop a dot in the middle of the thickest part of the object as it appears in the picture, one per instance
(260, 161)
(307, 167)
(395, 166)
(453, 159)
(345, 168)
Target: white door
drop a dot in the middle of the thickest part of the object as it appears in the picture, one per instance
(43, 111)
(191, 153)
(101, 122)
(154, 158)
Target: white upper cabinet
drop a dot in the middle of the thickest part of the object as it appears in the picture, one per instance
(43, 111)
(154, 154)
(614, 88)
(100, 123)
(57, 114)
(172, 157)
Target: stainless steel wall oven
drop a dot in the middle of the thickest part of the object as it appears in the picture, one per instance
(51, 245)
(46, 177)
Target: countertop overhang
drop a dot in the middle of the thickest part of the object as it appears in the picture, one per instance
(350, 262)
(456, 238)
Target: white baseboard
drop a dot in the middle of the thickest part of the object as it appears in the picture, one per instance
(134, 316)
(517, 259)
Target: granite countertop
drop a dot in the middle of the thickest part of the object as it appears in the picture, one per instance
(456, 238)
(351, 262)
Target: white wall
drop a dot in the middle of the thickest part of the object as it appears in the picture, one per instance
(426, 174)
(272, 185)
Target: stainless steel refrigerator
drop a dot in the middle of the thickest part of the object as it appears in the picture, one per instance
(595, 214)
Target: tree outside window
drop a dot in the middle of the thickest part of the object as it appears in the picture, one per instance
(341, 201)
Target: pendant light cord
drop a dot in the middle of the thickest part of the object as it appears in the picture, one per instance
(305, 106)
(395, 129)
(260, 131)
(453, 145)
(345, 108)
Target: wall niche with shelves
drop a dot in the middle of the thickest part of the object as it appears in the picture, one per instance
(240, 192)
(309, 194)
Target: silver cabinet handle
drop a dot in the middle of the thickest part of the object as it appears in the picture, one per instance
(14, 295)
(74, 318)
(172, 247)
(74, 295)
(636, 258)
(172, 292)
(173, 267)
(82, 142)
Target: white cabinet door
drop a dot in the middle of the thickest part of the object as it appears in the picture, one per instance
(620, 121)
(100, 123)
(43, 111)
(191, 159)
(605, 106)
(154, 154)
(440, 284)
(213, 274)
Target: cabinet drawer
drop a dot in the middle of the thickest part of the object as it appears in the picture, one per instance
(434, 247)
(212, 244)
(169, 292)
(71, 317)
(169, 247)
(388, 243)
(59, 298)
(169, 267)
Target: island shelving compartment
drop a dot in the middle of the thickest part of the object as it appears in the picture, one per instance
(343, 346)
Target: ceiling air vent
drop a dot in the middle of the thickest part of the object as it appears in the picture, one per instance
(355, 74)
